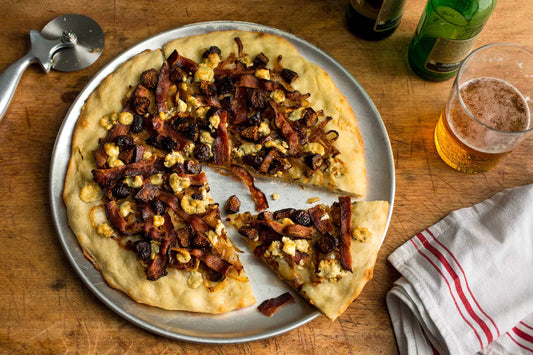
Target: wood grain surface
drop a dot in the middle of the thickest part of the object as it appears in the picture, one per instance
(44, 306)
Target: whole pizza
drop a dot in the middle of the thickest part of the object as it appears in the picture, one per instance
(248, 103)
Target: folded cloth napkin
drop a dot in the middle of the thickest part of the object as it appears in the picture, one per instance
(467, 281)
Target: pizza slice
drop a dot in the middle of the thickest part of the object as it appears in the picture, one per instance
(326, 253)
(249, 99)
(142, 213)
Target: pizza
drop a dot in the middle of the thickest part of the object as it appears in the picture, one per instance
(326, 253)
(136, 195)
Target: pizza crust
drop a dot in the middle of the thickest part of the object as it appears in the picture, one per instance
(332, 298)
(119, 266)
(311, 79)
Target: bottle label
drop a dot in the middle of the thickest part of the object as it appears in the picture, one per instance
(389, 15)
(447, 54)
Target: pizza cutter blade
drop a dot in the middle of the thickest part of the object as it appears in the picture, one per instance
(67, 43)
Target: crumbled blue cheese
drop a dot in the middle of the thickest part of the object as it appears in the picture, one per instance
(181, 106)
(262, 74)
(126, 208)
(156, 179)
(183, 256)
(135, 182)
(201, 112)
(314, 148)
(274, 249)
(147, 155)
(112, 152)
(281, 145)
(158, 220)
(247, 149)
(214, 121)
(108, 121)
(286, 221)
(247, 60)
(90, 192)
(195, 279)
(289, 246)
(105, 230)
(173, 158)
(330, 269)
(204, 73)
(278, 96)
(361, 234)
(178, 183)
(264, 128)
(275, 196)
(193, 206)
(125, 118)
(206, 138)
(296, 114)
(302, 245)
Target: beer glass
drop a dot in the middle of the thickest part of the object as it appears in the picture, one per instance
(489, 107)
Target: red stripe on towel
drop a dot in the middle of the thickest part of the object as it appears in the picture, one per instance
(458, 287)
(523, 335)
(466, 281)
(525, 325)
(450, 289)
(517, 343)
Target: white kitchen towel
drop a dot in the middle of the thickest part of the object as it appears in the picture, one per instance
(467, 281)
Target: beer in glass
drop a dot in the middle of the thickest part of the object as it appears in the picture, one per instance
(488, 110)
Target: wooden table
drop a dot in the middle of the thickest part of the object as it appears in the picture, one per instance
(46, 308)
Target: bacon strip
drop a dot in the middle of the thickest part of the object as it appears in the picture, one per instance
(221, 146)
(298, 231)
(158, 267)
(106, 177)
(286, 130)
(238, 105)
(165, 130)
(189, 65)
(212, 261)
(161, 90)
(119, 222)
(322, 224)
(258, 196)
(345, 239)
(272, 305)
(195, 179)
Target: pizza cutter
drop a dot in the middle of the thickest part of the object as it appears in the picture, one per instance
(67, 43)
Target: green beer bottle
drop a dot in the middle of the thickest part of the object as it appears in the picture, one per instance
(445, 35)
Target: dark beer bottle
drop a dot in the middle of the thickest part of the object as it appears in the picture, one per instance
(374, 19)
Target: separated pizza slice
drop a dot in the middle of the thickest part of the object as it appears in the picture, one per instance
(326, 253)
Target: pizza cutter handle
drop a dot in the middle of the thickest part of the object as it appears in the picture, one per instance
(9, 80)
(42, 50)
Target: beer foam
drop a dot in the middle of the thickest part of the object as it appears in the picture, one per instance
(498, 105)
